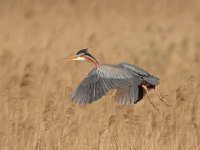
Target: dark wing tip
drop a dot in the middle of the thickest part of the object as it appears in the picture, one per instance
(140, 94)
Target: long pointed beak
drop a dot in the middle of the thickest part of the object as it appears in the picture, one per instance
(71, 58)
(76, 58)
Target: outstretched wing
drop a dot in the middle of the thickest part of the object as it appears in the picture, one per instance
(100, 81)
(142, 73)
(129, 95)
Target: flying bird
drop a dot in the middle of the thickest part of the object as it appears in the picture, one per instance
(130, 81)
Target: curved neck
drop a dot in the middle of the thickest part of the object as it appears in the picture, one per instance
(93, 60)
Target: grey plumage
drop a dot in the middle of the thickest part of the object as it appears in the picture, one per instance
(124, 77)
(101, 80)
(130, 81)
(129, 95)
(144, 75)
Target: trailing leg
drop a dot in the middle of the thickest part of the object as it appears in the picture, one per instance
(146, 89)
(161, 97)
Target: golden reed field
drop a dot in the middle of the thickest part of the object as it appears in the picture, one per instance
(163, 37)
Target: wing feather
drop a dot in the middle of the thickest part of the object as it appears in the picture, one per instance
(129, 95)
(141, 73)
(100, 81)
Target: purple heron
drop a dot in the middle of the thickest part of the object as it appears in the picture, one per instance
(130, 81)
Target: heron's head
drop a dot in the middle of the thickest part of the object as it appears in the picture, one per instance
(83, 55)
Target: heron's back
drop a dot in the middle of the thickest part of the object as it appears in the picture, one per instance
(144, 75)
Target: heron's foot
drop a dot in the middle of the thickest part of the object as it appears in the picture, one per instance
(162, 99)
(156, 108)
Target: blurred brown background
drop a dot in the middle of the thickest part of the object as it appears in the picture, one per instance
(163, 37)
